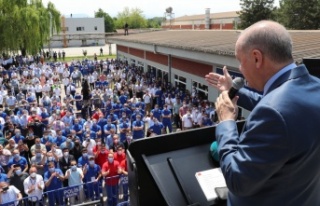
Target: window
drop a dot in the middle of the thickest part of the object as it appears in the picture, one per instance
(95, 28)
(201, 89)
(80, 28)
(180, 82)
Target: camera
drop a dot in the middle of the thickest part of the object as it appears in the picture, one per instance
(5, 189)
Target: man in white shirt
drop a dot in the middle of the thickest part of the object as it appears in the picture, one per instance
(5, 156)
(9, 194)
(89, 144)
(187, 121)
(147, 100)
(33, 187)
(38, 89)
(196, 118)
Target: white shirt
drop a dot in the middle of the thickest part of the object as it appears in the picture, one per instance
(66, 73)
(168, 102)
(187, 121)
(46, 88)
(36, 182)
(109, 91)
(197, 118)
(149, 121)
(65, 81)
(90, 147)
(5, 157)
(147, 98)
(57, 152)
(57, 91)
(1, 99)
(38, 88)
(10, 195)
(91, 79)
(11, 101)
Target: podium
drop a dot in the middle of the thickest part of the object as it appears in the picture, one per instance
(162, 169)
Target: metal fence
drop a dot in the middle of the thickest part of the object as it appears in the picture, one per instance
(109, 191)
(26, 201)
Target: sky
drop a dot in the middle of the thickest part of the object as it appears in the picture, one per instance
(150, 8)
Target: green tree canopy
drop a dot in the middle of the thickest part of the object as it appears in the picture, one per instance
(299, 14)
(134, 18)
(26, 25)
(108, 21)
(155, 22)
(253, 11)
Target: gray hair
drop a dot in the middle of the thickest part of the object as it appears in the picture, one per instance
(271, 38)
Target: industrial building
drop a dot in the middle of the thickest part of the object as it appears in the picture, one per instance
(184, 57)
(76, 32)
(222, 20)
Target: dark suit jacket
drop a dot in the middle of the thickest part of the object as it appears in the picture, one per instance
(275, 160)
(64, 166)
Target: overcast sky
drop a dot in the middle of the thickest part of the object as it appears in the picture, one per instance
(150, 8)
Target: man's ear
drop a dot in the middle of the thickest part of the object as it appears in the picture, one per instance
(257, 55)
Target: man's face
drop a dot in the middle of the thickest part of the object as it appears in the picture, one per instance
(247, 65)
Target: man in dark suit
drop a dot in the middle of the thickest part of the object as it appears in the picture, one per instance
(275, 159)
(65, 163)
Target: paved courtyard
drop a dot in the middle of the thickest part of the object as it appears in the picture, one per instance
(77, 51)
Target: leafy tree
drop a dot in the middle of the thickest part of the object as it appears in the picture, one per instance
(25, 25)
(155, 22)
(299, 14)
(108, 21)
(134, 18)
(253, 11)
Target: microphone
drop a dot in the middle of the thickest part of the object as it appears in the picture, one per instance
(237, 83)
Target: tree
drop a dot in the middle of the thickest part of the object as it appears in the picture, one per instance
(108, 21)
(155, 22)
(134, 18)
(25, 25)
(299, 14)
(253, 11)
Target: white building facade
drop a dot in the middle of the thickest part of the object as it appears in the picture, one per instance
(76, 32)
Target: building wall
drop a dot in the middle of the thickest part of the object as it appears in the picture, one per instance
(80, 32)
(89, 25)
(220, 23)
(228, 26)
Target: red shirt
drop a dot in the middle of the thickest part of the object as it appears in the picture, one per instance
(62, 113)
(119, 158)
(123, 165)
(101, 158)
(33, 118)
(96, 115)
(113, 174)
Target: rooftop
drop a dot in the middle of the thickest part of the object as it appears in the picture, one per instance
(306, 44)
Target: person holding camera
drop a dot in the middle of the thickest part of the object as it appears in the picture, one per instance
(9, 193)
(187, 122)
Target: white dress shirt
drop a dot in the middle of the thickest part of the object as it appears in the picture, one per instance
(36, 182)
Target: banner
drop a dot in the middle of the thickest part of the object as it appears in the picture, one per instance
(71, 192)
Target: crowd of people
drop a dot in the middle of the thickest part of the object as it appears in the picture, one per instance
(65, 124)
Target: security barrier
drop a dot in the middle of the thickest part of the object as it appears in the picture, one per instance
(26, 201)
(73, 195)
(90, 193)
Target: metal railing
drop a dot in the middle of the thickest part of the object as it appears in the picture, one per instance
(26, 201)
